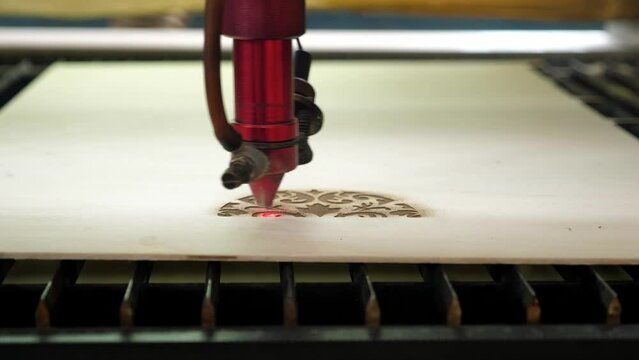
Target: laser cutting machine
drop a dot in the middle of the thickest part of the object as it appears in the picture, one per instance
(160, 292)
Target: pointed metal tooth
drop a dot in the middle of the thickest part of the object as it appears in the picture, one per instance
(211, 295)
(140, 279)
(287, 279)
(518, 291)
(448, 305)
(368, 298)
(65, 276)
(608, 298)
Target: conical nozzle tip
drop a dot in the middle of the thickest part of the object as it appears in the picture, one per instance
(265, 188)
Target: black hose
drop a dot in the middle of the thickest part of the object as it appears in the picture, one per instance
(224, 132)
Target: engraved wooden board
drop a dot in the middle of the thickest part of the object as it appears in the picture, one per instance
(117, 161)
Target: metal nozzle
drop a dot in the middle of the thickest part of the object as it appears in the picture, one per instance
(236, 175)
(247, 164)
(265, 188)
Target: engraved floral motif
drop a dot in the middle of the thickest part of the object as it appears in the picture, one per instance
(324, 204)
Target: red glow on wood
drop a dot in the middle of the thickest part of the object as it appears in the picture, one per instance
(271, 214)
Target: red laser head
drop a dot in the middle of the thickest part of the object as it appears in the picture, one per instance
(262, 59)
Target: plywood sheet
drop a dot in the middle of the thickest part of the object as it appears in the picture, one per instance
(117, 161)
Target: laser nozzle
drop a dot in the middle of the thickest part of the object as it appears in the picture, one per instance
(265, 189)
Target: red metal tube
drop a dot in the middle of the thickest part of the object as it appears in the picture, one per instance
(264, 107)
(263, 80)
(264, 90)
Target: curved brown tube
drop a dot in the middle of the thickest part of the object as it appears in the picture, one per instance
(224, 132)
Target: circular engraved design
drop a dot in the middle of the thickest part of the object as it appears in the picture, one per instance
(317, 203)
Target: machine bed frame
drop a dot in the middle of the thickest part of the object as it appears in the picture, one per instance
(581, 317)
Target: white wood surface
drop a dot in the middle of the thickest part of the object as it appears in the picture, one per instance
(118, 161)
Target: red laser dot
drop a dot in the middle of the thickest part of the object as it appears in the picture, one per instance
(271, 214)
